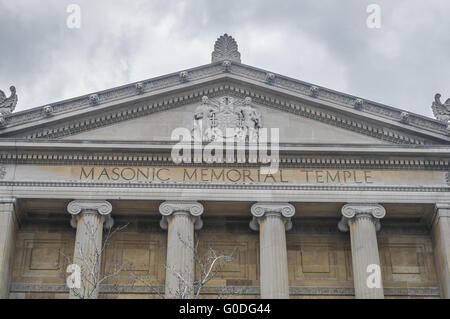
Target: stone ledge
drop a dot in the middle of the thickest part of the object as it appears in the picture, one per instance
(227, 290)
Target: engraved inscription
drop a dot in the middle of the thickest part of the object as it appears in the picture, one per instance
(225, 175)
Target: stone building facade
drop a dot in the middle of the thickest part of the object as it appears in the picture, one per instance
(362, 189)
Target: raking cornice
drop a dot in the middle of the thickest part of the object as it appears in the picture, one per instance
(325, 104)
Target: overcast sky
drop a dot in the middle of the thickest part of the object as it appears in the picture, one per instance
(402, 64)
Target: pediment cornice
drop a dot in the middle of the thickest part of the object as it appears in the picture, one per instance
(157, 94)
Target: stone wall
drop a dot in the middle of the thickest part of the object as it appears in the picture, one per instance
(319, 260)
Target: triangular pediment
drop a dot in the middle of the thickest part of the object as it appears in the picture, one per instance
(159, 126)
(150, 110)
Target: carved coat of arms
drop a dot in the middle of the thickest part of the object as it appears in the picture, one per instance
(226, 119)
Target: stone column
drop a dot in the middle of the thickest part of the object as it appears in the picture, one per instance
(89, 217)
(8, 227)
(180, 218)
(363, 221)
(273, 220)
(441, 246)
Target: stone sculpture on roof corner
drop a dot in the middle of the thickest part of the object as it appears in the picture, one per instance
(7, 105)
(441, 111)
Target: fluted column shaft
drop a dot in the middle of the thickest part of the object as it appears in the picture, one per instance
(363, 221)
(441, 246)
(89, 218)
(273, 219)
(180, 219)
(8, 228)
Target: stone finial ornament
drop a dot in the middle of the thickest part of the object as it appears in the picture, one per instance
(7, 105)
(358, 104)
(270, 77)
(441, 111)
(184, 76)
(226, 48)
(226, 65)
(48, 110)
(94, 99)
(139, 87)
(404, 116)
(314, 91)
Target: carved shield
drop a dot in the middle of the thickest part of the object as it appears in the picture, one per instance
(227, 119)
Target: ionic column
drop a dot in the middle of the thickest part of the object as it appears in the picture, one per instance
(8, 227)
(441, 246)
(180, 218)
(273, 220)
(363, 221)
(89, 217)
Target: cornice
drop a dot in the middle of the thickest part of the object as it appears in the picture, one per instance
(221, 186)
(109, 116)
(135, 92)
(343, 156)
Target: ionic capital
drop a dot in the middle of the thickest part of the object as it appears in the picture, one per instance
(102, 207)
(173, 208)
(351, 212)
(261, 210)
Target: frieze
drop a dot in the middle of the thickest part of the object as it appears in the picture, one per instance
(226, 177)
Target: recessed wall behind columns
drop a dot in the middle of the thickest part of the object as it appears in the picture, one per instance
(320, 264)
(319, 259)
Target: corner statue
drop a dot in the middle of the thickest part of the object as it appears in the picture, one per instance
(7, 105)
(441, 111)
(226, 120)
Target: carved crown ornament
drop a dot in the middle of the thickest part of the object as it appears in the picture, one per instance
(226, 48)
(226, 118)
